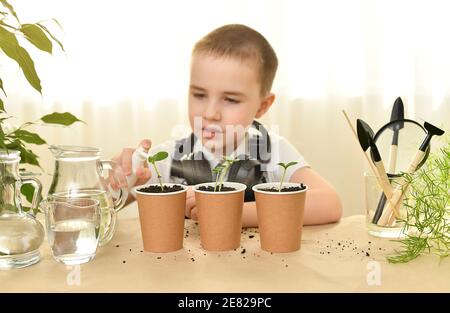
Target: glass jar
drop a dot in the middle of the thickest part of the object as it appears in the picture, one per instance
(21, 234)
(375, 202)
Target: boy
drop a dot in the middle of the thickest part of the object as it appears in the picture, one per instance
(232, 70)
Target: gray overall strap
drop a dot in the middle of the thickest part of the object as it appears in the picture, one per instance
(194, 168)
(260, 147)
(247, 172)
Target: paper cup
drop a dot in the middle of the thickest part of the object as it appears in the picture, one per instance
(280, 217)
(220, 216)
(162, 219)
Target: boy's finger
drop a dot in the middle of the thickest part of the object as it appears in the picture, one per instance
(146, 144)
(190, 203)
(111, 180)
(121, 177)
(125, 160)
(113, 185)
(194, 214)
(190, 192)
(143, 173)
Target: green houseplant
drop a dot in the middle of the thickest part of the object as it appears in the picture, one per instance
(39, 35)
(427, 220)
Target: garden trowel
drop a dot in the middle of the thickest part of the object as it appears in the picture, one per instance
(400, 189)
(365, 137)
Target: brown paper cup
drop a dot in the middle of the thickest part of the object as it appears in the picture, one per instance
(220, 217)
(280, 217)
(162, 219)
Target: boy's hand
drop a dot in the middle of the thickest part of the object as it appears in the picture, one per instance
(123, 159)
(194, 213)
(191, 209)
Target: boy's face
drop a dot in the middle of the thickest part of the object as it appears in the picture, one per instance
(224, 98)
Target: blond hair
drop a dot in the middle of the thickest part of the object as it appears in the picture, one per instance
(244, 43)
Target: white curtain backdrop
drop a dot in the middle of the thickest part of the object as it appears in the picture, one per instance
(125, 72)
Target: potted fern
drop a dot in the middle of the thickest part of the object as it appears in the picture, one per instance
(280, 207)
(161, 211)
(220, 206)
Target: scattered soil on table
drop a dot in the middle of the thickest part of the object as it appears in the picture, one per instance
(198, 253)
(347, 245)
(157, 189)
(211, 188)
(341, 248)
(285, 189)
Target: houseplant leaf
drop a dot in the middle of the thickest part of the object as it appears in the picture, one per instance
(7, 5)
(65, 118)
(11, 47)
(2, 138)
(1, 87)
(27, 156)
(51, 35)
(37, 37)
(28, 191)
(29, 137)
(7, 38)
(27, 65)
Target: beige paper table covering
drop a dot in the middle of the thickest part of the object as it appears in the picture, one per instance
(327, 262)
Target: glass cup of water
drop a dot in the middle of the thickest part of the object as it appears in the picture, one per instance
(73, 228)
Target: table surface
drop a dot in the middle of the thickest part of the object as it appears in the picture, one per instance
(339, 257)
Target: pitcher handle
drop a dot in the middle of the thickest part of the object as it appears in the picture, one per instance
(37, 191)
(122, 194)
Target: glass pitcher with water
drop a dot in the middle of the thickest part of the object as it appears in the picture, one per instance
(21, 234)
(79, 172)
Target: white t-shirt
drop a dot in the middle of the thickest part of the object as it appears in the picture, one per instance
(281, 151)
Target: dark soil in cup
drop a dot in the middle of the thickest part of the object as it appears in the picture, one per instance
(157, 189)
(285, 189)
(211, 188)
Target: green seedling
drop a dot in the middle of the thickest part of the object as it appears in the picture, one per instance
(285, 167)
(156, 158)
(221, 170)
